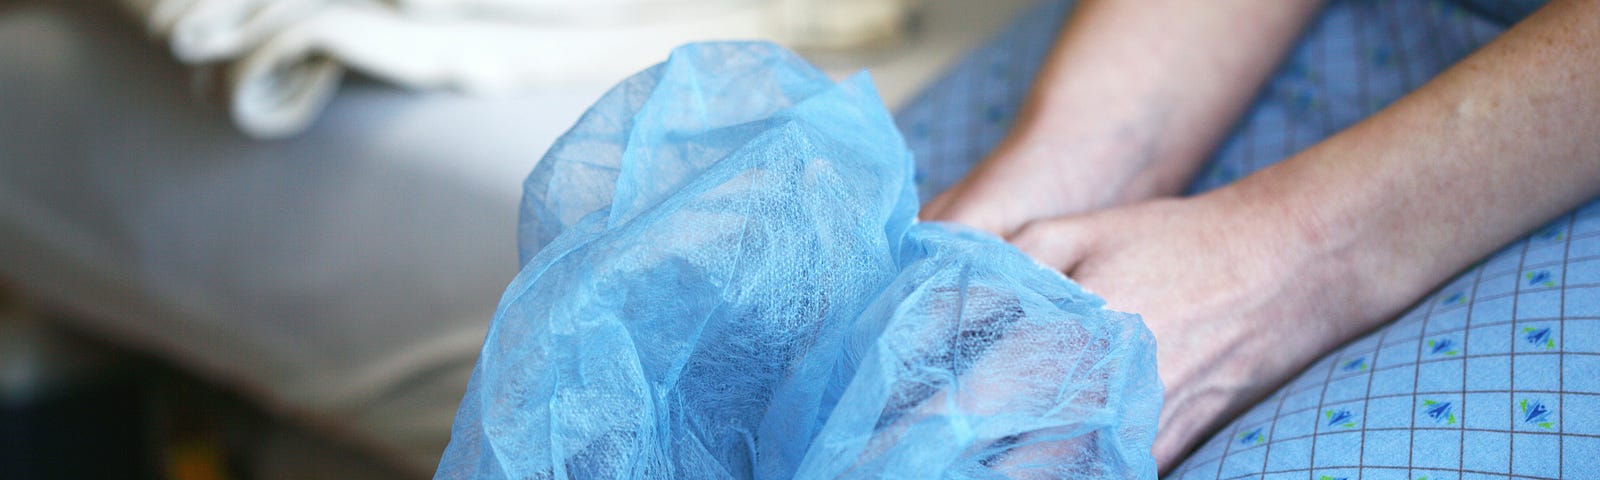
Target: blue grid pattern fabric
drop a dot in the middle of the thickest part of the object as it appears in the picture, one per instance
(1496, 375)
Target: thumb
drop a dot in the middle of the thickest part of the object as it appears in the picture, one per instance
(938, 208)
(968, 204)
(1060, 243)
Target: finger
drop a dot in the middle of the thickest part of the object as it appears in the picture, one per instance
(1025, 418)
(938, 208)
(948, 205)
(959, 204)
(1059, 243)
(992, 399)
(1040, 454)
(957, 212)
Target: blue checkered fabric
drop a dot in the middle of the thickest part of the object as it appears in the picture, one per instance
(1496, 375)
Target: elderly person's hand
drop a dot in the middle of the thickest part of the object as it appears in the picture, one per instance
(1245, 285)
(1239, 293)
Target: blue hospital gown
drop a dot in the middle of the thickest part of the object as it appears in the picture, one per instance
(1495, 375)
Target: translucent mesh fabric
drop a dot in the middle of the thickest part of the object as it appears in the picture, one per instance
(723, 278)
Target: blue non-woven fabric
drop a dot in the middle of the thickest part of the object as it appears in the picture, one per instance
(723, 277)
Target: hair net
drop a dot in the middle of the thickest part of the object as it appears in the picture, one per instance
(723, 278)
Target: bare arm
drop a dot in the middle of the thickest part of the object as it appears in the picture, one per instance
(1247, 284)
(1490, 149)
(1131, 99)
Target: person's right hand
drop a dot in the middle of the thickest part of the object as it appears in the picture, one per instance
(1239, 292)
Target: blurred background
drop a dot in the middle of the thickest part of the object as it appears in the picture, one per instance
(260, 239)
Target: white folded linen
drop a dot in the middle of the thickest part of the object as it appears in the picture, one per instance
(283, 59)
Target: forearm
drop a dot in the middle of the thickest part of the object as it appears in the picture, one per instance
(1490, 149)
(1141, 91)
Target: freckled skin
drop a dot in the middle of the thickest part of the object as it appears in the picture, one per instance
(1247, 284)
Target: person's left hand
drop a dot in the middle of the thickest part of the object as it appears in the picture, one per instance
(1240, 294)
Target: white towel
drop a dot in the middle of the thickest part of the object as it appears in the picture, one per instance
(282, 59)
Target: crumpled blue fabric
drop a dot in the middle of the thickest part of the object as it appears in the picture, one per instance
(723, 278)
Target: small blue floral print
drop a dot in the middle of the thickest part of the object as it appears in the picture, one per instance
(1442, 412)
(1535, 413)
(1552, 234)
(1354, 365)
(1442, 346)
(1539, 337)
(1540, 278)
(1252, 437)
(1340, 418)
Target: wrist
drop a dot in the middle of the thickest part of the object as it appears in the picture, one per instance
(1095, 166)
(1330, 233)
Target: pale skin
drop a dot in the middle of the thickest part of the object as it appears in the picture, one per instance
(1244, 286)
